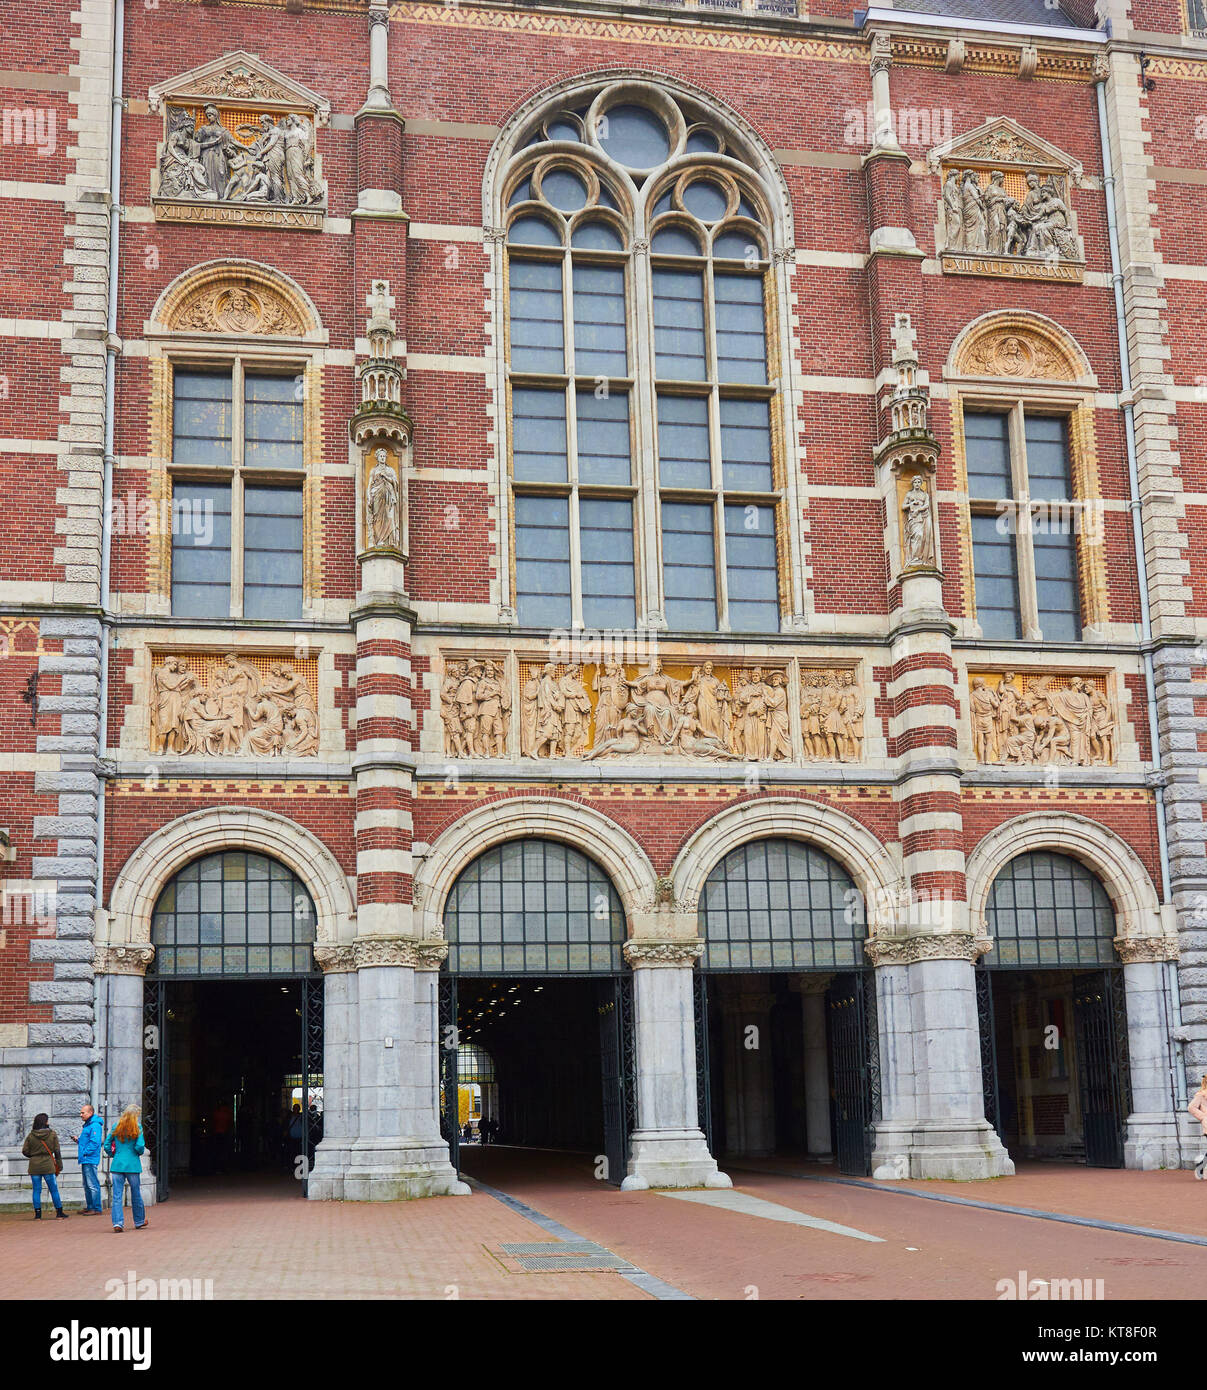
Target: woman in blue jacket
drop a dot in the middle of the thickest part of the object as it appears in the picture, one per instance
(124, 1143)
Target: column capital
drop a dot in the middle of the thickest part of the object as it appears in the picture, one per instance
(906, 950)
(399, 951)
(334, 960)
(1135, 950)
(640, 954)
(123, 959)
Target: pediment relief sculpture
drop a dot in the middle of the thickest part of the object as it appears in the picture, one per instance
(234, 305)
(1057, 720)
(239, 147)
(1005, 206)
(1015, 351)
(227, 706)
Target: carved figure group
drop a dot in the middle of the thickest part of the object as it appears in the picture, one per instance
(1074, 726)
(207, 162)
(475, 702)
(992, 222)
(831, 716)
(236, 712)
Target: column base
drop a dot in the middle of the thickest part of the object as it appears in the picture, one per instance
(956, 1151)
(671, 1158)
(1151, 1141)
(396, 1169)
(331, 1163)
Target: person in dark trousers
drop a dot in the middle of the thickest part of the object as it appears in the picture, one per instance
(88, 1153)
(41, 1147)
(484, 1130)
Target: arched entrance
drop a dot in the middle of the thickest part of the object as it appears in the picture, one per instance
(1053, 1014)
(535, 980)
(233, 1023)
(786, 1016)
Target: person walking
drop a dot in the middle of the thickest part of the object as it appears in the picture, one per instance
(125, 1146)
(1198, 1108)
(41, 1147)
(88, 1154)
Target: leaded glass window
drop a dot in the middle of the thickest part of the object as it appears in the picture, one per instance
(609, 347)
(234, 913)
(237, 502)
(781, 905)
(1024, 543)
(534, 907)
(1048, 909)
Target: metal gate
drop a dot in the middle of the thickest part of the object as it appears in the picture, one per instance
(312, 1068)
(617, 1065)
(703, 1076)
(156, 1128)
(1099, 1015)
(988, 1035)
(853, 1077)
(450, 1125)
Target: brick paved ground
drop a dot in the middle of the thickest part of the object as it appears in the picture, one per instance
(260, 1240)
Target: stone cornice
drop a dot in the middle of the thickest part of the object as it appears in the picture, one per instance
(906, 950)
(122, 959)
(641, 954)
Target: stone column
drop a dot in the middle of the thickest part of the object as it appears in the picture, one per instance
(933, 1123)
(812, 990)
(1155, 1119)
(749, 1097)
(341, 1072)
(399, 1152)
(668, 1148)
(119, 1028)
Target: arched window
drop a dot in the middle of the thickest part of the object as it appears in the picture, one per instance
(644, 468)
(534, 907)
(232, 914)
(1050, 910)
(781, 905)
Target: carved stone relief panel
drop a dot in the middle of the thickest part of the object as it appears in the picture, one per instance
(1005, 205)
(702, 711)
(831, 714)
(1058, 720)
(475, 707)
(227, 705)
(239, 147)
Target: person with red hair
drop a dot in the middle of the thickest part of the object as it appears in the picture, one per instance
(125, 1146)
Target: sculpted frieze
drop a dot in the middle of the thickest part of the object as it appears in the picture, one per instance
(706, 711)
(209, 706)
(1058, 720)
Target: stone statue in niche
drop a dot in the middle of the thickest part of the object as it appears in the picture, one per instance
(1070, 726)
(382, 511)
(235, 712)
(918, 532)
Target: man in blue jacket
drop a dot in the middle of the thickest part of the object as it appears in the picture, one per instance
(88, 1151)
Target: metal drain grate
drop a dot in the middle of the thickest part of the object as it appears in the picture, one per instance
(565, 1256)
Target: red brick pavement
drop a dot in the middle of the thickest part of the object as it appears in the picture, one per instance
(263, 1241)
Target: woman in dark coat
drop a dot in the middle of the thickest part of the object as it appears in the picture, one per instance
(41, 1147)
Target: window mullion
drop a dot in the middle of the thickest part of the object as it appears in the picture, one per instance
(237, 456)
(643, 408)
(575, 540)
(1025, 548)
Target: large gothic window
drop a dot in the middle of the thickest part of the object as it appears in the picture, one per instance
(781, 905)
(234, 913)
(641, 371)
(537, 907)
(1049, 910)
